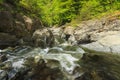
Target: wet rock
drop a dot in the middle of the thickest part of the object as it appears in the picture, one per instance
(6, 66)
(58, 35)
(66, 61)
(20, 74)
(96, 46)
(43, 38)
(6, 22)
(7, 40)
(3, 75)
(3, 57)
(40, 71)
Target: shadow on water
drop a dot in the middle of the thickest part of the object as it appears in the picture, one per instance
(100, 66)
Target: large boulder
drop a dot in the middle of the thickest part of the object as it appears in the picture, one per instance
(93, 30)
(7, 40)
(13, 25)
(6, 22)
(19, 25)
(43, 38)
(58, 34)
(84, 30)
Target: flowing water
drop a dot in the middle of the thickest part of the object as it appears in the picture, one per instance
(63, 62)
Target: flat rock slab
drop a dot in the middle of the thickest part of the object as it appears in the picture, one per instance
(96, 47)
(110, 40)
(109, 43)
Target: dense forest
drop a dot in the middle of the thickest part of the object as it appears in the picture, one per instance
(58, 12)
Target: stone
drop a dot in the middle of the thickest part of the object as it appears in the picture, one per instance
(42, 71)
(6, 21)
(115, 49)
(3, 57)
(95, 46)
(7, 40)
(58, 35)
(28, 22)
(109, 43)
(20, 30)
(43, 38)
(110, 40)
(3, 75)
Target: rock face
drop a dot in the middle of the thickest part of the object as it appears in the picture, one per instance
(99, 35)
(58, 35)
(17, 25)
(7, 40)
(93, 30)
(12, 24)
(6, 21)
(43, 38)
(10, 30)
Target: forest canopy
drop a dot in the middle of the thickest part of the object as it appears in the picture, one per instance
(59, 12)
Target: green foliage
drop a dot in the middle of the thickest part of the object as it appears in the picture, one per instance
(52, 12)
(95, 8)
(1, 1)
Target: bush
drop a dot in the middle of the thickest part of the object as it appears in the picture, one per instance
(53, 12)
